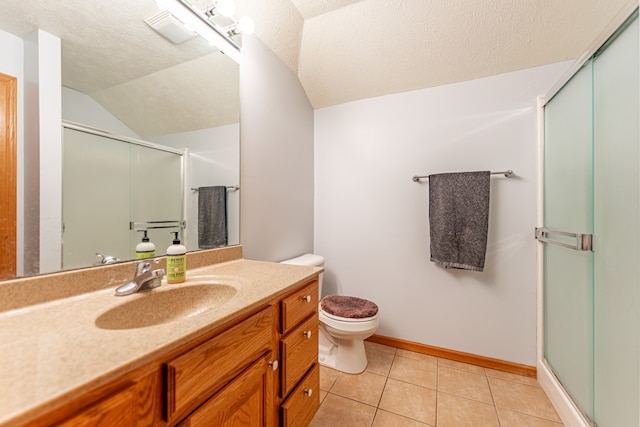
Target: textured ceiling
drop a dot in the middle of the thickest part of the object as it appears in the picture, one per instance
(344, 50)
(109, 53)
(341, 50)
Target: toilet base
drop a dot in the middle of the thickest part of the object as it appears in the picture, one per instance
(343, 355)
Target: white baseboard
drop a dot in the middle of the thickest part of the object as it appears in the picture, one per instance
(564, 406)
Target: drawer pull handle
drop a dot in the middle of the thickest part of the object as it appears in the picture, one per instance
(308, 392)
(306, 298)
(273, 364)
(307, 334)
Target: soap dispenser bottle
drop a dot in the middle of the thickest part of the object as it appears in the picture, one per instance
(145, 249)
(176, 261)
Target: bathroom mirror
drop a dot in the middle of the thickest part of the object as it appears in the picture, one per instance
(121, 74)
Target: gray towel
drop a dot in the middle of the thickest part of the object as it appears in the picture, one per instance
(459, 219)
(212, 217)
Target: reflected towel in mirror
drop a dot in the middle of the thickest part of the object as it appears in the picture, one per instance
(212, 217)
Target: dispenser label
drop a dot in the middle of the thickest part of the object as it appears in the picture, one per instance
(145, 254)
(176, 268)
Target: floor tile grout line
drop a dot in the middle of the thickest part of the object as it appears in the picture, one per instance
(386, 380)
(352, 399)
(485, 374)
(437, 387)
(529, 415)
(495, 407)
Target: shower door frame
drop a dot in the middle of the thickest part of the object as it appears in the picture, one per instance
(568, 411)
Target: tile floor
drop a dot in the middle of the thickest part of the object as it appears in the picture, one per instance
(405, 389)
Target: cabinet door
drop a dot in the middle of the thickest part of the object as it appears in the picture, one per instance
(200, 372)
(247, 401)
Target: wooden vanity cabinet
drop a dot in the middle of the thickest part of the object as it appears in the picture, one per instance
(259, 371)
(117, 410)
(194, 376)
(303, 402)
(246, 401)
(135, 399)
(300, 373)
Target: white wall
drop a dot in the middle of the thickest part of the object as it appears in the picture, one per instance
(371, 219)
(276, 158)
(42, 153)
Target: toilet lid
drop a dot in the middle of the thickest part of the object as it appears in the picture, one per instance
(349, 307)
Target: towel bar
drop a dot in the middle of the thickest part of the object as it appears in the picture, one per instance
(584, 242)
(149, 225)
(229, 187)
(508, 174)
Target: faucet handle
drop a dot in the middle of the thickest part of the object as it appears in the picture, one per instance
(156, 279)
(142, 267)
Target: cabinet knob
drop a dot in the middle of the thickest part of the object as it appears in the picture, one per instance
(306, 298)
(307, 334)
(273, 364)
(308, 392)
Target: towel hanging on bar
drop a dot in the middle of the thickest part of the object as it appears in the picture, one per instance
(212, 217)
(459, 219)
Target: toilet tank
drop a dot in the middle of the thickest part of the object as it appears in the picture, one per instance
(311, 260)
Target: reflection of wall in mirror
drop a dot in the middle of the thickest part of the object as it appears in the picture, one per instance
(214, 159)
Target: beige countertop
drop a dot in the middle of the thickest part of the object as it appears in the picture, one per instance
(53, 352)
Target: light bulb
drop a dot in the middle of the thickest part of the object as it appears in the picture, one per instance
(226, 7)
(246, 25)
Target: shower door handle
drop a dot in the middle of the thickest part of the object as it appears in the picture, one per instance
(583, 242)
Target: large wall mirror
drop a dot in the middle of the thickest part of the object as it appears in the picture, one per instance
(147, 122)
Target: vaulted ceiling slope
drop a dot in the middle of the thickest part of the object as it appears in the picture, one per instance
(345, 50)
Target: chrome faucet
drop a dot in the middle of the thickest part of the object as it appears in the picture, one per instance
(103, 259)
(144, 278)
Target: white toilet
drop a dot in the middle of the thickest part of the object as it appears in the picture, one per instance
(345, 322)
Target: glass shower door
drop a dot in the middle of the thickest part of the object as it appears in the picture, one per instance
(94, 212)
(568, 207)
(617, 213)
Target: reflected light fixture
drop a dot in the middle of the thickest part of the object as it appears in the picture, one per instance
(223, 7)
(198, 16)
(245, 25)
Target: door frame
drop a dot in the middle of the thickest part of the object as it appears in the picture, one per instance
(8, 175)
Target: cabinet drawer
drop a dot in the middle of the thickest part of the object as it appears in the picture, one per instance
(116, 410)
(298, 410)
(299, 305)
(195, 375)
(299, 352)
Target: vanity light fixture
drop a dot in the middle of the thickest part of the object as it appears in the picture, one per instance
(223, 7)
(200, 19)
(245, 25)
